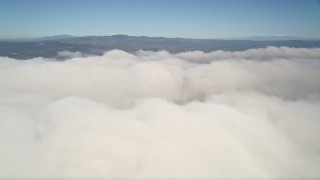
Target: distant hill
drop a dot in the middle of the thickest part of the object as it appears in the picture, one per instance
(56, 37)
(97, 45)
(275, 38)
(45, 38)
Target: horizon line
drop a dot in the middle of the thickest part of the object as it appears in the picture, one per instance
(171, 37)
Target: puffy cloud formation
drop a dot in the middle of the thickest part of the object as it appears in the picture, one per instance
(250, 114)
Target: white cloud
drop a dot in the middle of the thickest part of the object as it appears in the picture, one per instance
(256, 54)
(69, 54)
(250, 114)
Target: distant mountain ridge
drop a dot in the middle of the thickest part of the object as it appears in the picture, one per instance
(119, 36)
(276, 38)
(55, 37)
(45, 38)
(96, 45)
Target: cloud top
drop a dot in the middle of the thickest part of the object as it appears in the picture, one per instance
(248, 114)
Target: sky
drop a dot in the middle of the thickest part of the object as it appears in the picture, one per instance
(166, 18)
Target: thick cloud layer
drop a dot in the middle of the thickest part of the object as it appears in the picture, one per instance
(250, 114)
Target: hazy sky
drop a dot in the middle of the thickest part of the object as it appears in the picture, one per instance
(169, 18)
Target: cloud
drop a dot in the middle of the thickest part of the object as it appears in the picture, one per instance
(249, 114)
(256, 54)
(68, 54)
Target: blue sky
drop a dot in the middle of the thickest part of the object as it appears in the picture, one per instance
(168, 18)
